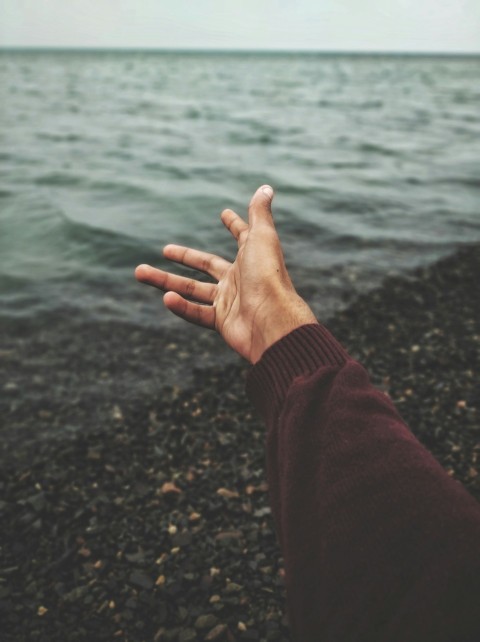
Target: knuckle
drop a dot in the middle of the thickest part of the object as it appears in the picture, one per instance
(190, 288)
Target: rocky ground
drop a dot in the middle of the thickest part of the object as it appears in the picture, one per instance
(137, 511)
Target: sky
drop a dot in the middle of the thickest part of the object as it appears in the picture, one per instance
(321, 25)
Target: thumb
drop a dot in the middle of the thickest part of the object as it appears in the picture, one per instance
(260, 208)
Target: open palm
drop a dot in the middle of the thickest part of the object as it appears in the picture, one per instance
(253, 303)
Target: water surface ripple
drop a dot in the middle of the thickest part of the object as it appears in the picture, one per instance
(106, 156)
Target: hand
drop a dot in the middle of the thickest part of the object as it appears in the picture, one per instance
(253, 304)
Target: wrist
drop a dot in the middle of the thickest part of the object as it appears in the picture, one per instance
(278, 323)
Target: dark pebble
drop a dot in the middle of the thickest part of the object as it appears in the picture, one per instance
(88, 524)
(141, 580)
(206, 621)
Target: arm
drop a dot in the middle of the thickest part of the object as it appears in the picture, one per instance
(379, 543)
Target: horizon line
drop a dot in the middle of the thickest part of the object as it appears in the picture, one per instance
(214, 50)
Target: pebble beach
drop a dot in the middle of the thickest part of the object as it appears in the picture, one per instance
(141, 513)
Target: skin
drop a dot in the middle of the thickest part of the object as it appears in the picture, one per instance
(254, 303)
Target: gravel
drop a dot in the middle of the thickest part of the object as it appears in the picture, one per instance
(134, 510)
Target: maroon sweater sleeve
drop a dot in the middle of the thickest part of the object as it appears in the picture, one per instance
(379, 543)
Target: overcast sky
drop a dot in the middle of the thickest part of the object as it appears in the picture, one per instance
(365, 25)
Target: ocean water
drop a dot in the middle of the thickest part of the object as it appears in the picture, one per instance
(107, 156)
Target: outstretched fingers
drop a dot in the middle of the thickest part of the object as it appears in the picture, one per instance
(203, 315)
(209, 263)
(190, 288)
(235, 224)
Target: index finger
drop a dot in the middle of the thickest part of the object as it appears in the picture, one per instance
(209, 263)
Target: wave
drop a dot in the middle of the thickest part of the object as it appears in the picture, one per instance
(59, 138)
(60, 179)
(368, 161)
(385, 243)
(45, 234)
(464, 181)
(372, 148)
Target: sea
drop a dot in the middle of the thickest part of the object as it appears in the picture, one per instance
(106, 156)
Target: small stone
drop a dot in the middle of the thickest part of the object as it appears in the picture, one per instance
(41, 611)
(215, 599)
(461, 404)
(102, 606)
(182, 539)
(141, 580)
(37, 502)
(261, 488)
(135, 558)
(117, 413)
(216, 633)
(228, 535)
(415, 348)
(207, 621)
(160, 580)
(242, 626)
(172, 529)
(169, 488)
(187, 635)
(131, 603)
(84, 551)
(75, 594)
(194, 517)
(232, 587)
(227, 494)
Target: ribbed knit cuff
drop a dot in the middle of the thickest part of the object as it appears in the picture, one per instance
(300, 353)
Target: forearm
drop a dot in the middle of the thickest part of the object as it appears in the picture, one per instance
(375, 535)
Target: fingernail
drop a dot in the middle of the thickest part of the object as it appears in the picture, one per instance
(268, 191)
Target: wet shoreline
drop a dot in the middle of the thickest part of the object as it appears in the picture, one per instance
(134, 499)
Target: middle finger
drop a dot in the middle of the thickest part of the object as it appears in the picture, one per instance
(168, 282)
